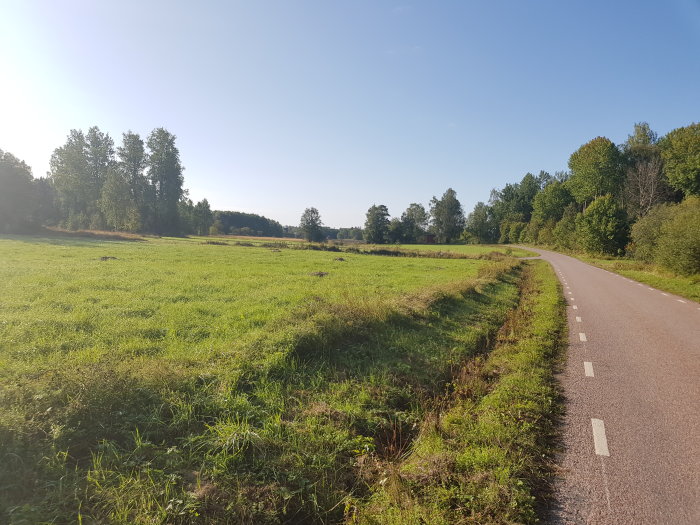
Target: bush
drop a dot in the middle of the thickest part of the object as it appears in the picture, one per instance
(678, 247)
(602, 228)
(565, 230)
(646, 231)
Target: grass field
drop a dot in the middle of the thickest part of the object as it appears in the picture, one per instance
(175, 381)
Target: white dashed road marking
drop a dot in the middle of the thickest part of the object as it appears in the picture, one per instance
(664, 294)
(582, 337)
(576, 307)
(588, 368)
(578, 319)
(680, 301)
(599, 440)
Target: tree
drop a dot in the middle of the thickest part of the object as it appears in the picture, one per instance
(414, 222)
(646, 231)
(603, 228)
(644, 185)
(131, 161)
(99, 153)
(310, 225)
(397, 232)
(550, 202)
(564, 233)
(116, 204)
(481, 225)
(377, 224)
(680, 150)
(70, 176)
(596, 170)
(678, 247)
(447, 216)
(353, 233)
(17, 201)
(203, 218)
(165, 175)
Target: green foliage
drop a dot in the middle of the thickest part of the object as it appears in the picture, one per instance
(376, 230)
(310, 225)
(165, 175)
(545, 234)
(646, 231)
(596, 170)
(651, 274)
(564, 232)
(96, 190)
(514, 202)
(118, 208)
(678, 244)
(482, 225)
(414, 223)
(17, 198)
(447, 217)
(680, 150)
(203, 217)
(355, 233)
(131, 162)
(239, 223)
(512, 231)
(551, 201)
(602, 227)
(480, 458)
(644, 185)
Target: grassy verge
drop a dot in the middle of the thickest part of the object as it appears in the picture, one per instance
(688, 287)
(482, 457)
(169, 381)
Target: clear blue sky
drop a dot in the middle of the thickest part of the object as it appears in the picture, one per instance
(283, 105)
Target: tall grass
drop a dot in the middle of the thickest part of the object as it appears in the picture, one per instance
(188, 383)
(482, 455)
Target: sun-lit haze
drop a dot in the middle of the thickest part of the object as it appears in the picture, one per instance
(278, 106)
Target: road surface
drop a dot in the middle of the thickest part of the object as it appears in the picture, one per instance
(631, 434)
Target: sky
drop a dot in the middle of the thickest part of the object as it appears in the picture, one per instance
(282, 105)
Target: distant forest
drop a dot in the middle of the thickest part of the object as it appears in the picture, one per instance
(136, 186)
(640, 198)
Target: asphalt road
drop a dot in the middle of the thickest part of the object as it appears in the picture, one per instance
(631, 434)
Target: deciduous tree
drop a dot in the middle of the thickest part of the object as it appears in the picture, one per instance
(602, 227)
(17, 199)
(447, 217)
(377, 224)
(680, 150)
(165, 175)
(310, 225)
(596, 170)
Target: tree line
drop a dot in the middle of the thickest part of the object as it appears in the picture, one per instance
(136, 186)
(443, 222)
(640, 198)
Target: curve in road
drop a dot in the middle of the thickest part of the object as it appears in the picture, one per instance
(631, 434)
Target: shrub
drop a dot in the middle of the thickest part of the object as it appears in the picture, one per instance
(565, 231)
(678, 247)
(646, 231)
(602, 228)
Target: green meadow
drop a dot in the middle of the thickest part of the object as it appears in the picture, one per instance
(217, 381)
